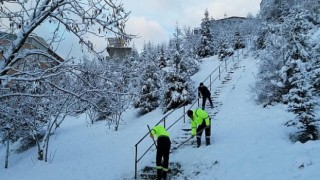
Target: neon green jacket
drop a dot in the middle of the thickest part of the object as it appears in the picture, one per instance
(198, 116)
(159, 130)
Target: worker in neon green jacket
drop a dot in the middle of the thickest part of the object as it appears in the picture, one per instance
(163, 150)
(200, 121)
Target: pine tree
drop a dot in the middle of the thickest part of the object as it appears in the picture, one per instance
(176, 50)
(260, 42)
(238, 41)
(179, 91)
(283, 41)
(269, 87)
(296, 76)
(181, 62)
(316, 75)
(161, 56)
(206, 43)
(134, 55)
(296, 30)
(149, 98)
(177, 80)
(315, 47)
(224, 50)
(301, 103)
(190, 43)
(149, 81)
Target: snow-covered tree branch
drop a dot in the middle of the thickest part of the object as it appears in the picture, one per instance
(35, 82)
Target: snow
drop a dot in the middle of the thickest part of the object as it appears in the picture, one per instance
(1, 64)
(249, 142)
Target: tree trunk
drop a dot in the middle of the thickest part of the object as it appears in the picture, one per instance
(50, 127)
(40, 151)
(7, 153)
(117, 122)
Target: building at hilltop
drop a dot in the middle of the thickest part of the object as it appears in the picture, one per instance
(117, 47)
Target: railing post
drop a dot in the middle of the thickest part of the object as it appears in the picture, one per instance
(198, 101)
(184, 114)
(164, 122)
(135, 162)
(210, 83)
(225, 63)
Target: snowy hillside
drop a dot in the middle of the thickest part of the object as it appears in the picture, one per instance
(249, 142)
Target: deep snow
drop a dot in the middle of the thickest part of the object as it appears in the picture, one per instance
(249, 142)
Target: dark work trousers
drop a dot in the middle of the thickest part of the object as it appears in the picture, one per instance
(202, 128)
(204, 99)
(162, 159)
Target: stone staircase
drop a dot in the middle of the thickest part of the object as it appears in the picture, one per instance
(149, 172)
(217, 91)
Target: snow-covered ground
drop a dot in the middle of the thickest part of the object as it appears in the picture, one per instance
(249, 142)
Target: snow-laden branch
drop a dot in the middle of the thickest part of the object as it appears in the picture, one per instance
(37, 88)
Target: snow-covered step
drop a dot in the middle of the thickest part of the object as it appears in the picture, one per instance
(150, 172)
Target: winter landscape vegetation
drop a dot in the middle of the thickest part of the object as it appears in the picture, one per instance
(86, 118)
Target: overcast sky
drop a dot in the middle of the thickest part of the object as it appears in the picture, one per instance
(154, 20)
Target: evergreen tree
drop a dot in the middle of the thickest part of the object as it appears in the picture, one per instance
(284, 41)
(224, 50)
(149, 98)
(134, 55)
(176, 50)
(315, 45)
(296, 31)
(191, 42)
(296, 73)
(177, 80)
(206, 42)
(179, 91)
(162, 57)
(316, 75)
(276, 9)
(149, 81)
(260, 42)
(181, 62)
(148, 54)
(268, 86)
(238, 41)
(301, 103)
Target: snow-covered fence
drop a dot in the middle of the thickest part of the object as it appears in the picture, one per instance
(215, 75)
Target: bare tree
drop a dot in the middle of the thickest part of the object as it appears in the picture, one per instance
(37, 87)
(80, 18)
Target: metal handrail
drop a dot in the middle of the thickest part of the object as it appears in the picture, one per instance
(184, 112)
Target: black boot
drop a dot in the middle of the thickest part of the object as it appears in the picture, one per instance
(207, 141)
(198, 142)
(159, 174)
(164, 175)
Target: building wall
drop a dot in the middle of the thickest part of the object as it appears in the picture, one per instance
(118, 52)
(32, 42)
(116, 47)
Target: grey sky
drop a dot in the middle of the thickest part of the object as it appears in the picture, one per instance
(154, 20)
